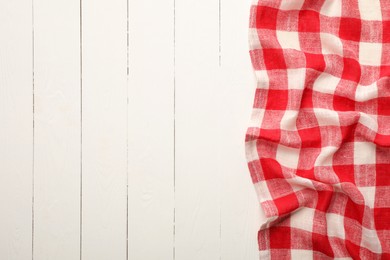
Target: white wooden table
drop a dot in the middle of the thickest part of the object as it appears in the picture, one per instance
(122, 130)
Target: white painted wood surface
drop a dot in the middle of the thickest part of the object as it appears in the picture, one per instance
(56, 205)
(123, 126)
(104, 129)
(16, 135)
(151, 130)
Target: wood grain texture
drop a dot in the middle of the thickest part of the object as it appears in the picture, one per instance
(198, 179)
(104, 129)
(240, 210)
(16, 139)
(57, 129)
(135, 113)
(151, 129)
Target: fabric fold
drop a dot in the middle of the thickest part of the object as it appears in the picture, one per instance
(318, 142)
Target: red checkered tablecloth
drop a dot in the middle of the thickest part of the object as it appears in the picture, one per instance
(318, 143)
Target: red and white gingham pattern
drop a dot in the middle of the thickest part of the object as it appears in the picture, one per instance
(318, 144)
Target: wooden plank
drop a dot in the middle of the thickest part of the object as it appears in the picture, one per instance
(16, 133)
(240, 212)
(104, 119)
(198, 179)
(151, 121)
(57, 129)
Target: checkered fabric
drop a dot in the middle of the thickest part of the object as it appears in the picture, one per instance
(318, 144)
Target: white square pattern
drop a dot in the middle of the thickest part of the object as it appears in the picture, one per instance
(331, 8)
(331, 44)
(370, 121)
(369, 195)
(335, 225)
(298, 183)
(303, 219)
(296, 78)
(287, 156)
(262, 79)
(254, 39)
(370, 240)
(251, 151)
(288, 40)
(364, 153)
(289, 120)
(370, 53)
(262, 191)
(297, 254)
(370, 10)
(257, 117)
(365, 93)
(325, 158)
(291, 4)
(326, 83)
(326, 117)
